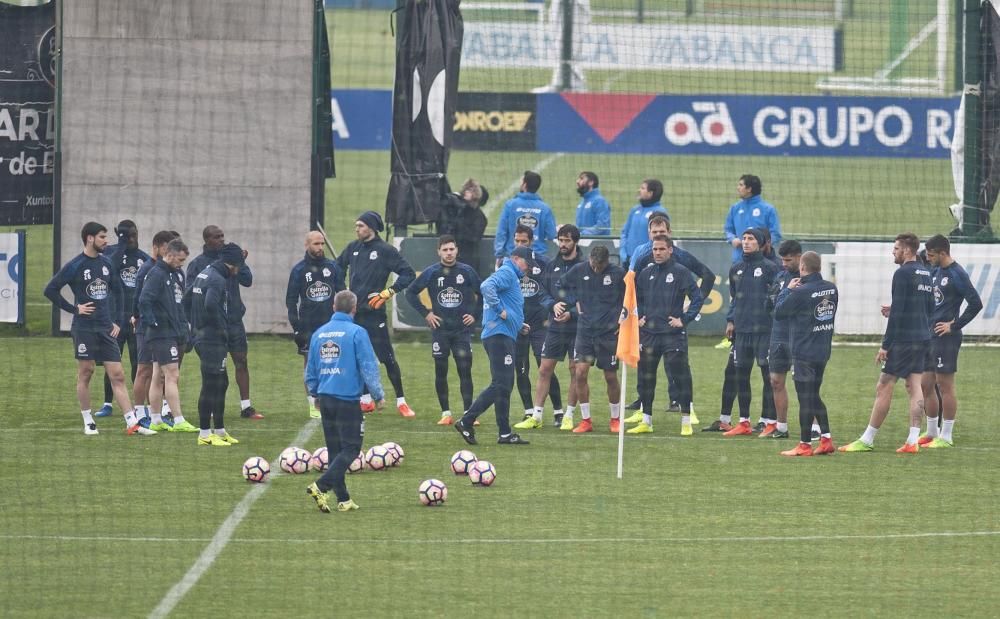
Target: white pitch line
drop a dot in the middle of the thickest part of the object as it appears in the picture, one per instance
(526, 541)
(222, 536)
(516, 185)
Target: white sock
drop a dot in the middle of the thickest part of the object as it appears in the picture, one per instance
(446, 413)
(585, 410)
(782, 427)
(154, 417)
(726, 418)
(131, 418)
(868, 438)
(616, 410)
(165, 409)
(685, 420)
(648, 419)
(179, 419)
(312, 401)
(244, 404)
(946, 428)
(400, 401)
(932, 427)
(88, 418)
(529, 412)
(826, 435)
(204, 433)
(220, 431)
(569, 410)
(366, 398)
(911, 439)
(107, 404)
(744, 420)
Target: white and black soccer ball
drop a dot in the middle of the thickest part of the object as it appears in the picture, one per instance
(320, 460)
(482, 473)
(432, 492)
(396, 453)
(462, 462)
(256, 470)
(294, 460)
(378, 458)
(358, 464)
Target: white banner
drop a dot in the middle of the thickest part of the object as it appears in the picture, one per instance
(11, 276)
(863, 274)
(661, 46)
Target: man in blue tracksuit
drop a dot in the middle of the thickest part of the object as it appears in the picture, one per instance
(661, 290)
(236, 333)
(593, 213)
(503, 318)
(809, 306)
(456, 304)
(341, 366)
(906, 345)
(952, 287)
(309, 297)
(635, 228)
(751, 211)
(368, 262)
(525, 209)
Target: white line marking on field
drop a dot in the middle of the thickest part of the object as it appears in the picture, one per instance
(222, 536)
(516, 185)
(559, 540)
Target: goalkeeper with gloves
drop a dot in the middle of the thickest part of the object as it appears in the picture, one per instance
(368, 262)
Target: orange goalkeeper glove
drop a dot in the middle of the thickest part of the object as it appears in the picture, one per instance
(378, 299)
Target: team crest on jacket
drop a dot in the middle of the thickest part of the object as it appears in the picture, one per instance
(105, 271)
(670, 277)
(326, 272)
(756, 212)
(758, 272)
(825, 310)
(329, 351)
(507, 360)
(607, 280)
(536, 271)
(459, 279)
(373, 255)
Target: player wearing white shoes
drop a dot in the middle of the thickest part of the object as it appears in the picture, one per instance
(91, 278)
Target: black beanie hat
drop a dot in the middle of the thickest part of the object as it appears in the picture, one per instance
(373, 220)
(232, 254)
(757, 234)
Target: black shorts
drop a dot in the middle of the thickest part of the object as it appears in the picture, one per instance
(944, 353)
(302, 341)
(779, 359)
(750, 348)
(377, 326)
(808, 371)
(96, 346)
(236, 337)
(445, 342)
(557, 344)
(907, 358)
(592, 348)
(213, 356)
(164, 351)
(536, 337)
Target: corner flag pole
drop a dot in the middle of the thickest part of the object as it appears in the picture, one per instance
(627, 352)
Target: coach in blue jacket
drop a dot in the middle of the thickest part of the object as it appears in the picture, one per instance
(503, 318)
(341, 363)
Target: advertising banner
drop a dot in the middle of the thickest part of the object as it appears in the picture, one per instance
(12, 277)
(27, 113)
(495, 121)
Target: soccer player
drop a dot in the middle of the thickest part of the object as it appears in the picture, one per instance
(128, 259)
(313, 282)
(807, 305)
(462, 217)
(525, 209)
(951, 287)
(635, 229)
(453, 288)
(91, 278)
(905, 347)
(236, 338)
(748, 324)
(559, 335)
(597, 288)
(341, 366)
(779, 356)
(660, 293)
(531, 337)
(208, 299)
(368, 262)
(165, 332)
(503, 317)
(593, 213)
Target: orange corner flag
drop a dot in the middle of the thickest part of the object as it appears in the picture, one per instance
(628, 332)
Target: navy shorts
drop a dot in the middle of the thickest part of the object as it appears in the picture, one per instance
(557, 344)
(536, 337)
(809, 371)
(377, 326)
(236, 337)
(944, 353)
(750, 348)
(164, 351)
(142, 350)
(96, 346)
(212, 356)
(596, 349)
(779, 359)
(445, 342)
(907, 358)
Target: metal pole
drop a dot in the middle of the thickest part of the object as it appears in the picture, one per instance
(973, 138)
(959, 40)
(566, 54)
(640, 11)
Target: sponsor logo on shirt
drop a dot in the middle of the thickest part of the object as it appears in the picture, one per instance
(449, 298)
(329, 351)
(529, 287)
(825, 310)
(319, 292)
(97, 289)
(528, 220)
(128, 276)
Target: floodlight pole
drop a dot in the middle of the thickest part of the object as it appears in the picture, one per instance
(973, 100)
(566, 53)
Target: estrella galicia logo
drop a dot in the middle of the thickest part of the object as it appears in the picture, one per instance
(319, 292)
(449, 298)
(529, 220)
(329, 351)
(128, 276)
(825, 310)
(529, 287)
(97, 290)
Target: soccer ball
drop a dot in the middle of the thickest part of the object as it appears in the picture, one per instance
(482, 473)
(395, 453)
(294, 460)
(320, 460)
(358, 464)
(462, 462)
(256, 470)
(378, 458)
(432, 492)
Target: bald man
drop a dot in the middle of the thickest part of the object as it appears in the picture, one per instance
(309, 297)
